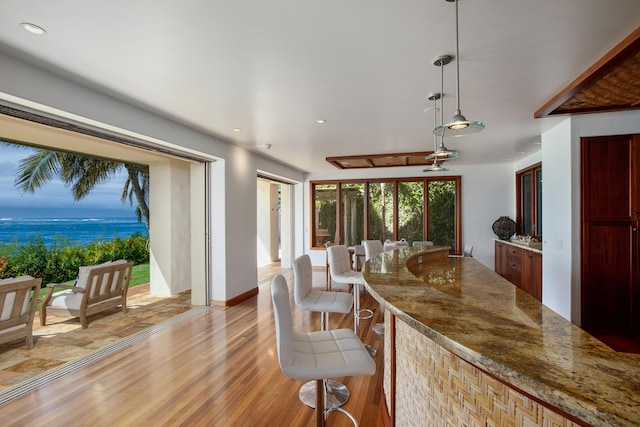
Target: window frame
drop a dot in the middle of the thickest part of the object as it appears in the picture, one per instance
(455, 178)
(534, 170)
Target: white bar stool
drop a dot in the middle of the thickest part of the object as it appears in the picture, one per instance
(341, 272)
(324, 302)
(316, 355)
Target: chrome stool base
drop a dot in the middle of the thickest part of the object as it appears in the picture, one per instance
(372, 351)
(378, 328)
(337, 394)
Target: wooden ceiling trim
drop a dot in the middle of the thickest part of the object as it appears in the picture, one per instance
(602, 74)
(380, 160)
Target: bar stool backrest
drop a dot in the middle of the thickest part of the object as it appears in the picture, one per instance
(338, 259)
(372, 248)
(283, 320)
(302, 278)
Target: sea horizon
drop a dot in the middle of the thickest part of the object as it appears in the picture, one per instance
(74, 231)
(54, 212)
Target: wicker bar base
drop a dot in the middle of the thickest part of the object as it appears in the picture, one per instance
(434, 387)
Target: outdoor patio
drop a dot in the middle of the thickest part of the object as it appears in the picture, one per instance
(63, 340)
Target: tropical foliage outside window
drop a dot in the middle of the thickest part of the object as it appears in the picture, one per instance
(412, 208)
(325, 198)
(352, 213)
(381, 211)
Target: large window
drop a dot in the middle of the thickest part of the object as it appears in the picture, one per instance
(409, 208)
(529, 201)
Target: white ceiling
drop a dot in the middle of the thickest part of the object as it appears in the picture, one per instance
(272, 68)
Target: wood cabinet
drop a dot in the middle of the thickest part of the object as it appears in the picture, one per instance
(610, 182)
(501, 258)
(520, 266)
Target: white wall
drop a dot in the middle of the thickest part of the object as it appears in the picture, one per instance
(487, 193)
(233, 192)
(556, 219)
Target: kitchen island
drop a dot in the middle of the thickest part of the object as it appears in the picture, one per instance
(463, 346)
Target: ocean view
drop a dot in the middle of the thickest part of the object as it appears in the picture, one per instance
(80, 231)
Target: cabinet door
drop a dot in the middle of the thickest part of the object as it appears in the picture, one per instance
(514, 265)
(501, 258)
(536, 275)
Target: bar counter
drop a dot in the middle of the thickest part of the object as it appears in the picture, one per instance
(463, 346)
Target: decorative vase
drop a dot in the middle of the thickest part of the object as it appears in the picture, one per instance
(504, 227)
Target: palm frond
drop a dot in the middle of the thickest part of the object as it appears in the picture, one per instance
(36, 169)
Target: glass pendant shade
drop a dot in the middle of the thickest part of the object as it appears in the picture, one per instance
(435, 167)
(442, 153)
(458, 126)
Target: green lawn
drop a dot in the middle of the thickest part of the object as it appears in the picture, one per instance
(139, 276)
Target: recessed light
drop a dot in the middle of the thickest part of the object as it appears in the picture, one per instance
(237, 130)
(520, 152)
(321, 121)
(33, 28)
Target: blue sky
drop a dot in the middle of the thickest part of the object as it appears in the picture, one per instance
(54, 200)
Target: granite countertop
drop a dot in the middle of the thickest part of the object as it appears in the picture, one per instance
(521, 245)
(481, 317)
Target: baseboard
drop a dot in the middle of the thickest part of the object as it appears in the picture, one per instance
(237, 299)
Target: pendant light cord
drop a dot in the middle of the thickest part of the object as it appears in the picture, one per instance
(457, 64)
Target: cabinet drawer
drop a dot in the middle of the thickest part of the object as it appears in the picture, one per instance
(514, 262)
(514, 252)
(514, 266)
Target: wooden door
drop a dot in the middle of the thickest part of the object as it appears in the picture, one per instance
(610, 215)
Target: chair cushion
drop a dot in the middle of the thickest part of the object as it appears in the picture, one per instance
(350, 277)
(68, 299)
(326, 301)
(10, 297)
(83, 273)
(329, 354)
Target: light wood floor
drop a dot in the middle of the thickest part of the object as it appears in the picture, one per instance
(218, 368)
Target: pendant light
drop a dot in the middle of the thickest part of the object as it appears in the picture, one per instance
(437, 164)
(459, 125)
(442, 152)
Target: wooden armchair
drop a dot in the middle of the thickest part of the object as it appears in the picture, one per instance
(98, 288)
(18, 298)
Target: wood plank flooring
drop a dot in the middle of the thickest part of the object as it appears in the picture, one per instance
(218, 368)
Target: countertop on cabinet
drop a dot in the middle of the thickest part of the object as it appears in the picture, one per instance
(517, 245)
(483, 318)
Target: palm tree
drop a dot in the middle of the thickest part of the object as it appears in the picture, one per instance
(82, 174)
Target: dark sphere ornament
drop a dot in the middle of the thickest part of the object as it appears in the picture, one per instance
(504, 227)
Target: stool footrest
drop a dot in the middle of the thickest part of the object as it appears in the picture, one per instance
(353, 420)
(364, 314)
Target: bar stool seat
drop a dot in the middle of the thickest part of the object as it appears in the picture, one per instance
(324, 302)
(316, 355)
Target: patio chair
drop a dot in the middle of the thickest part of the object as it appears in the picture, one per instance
(97, 288)
(18, 297)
